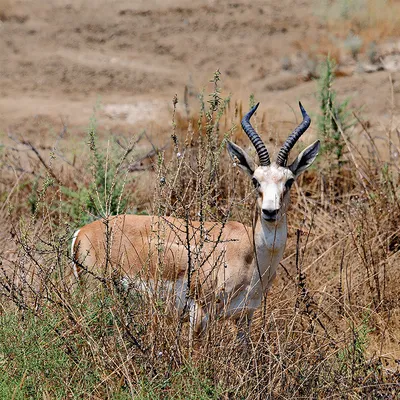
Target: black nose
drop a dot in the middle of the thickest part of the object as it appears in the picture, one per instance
(270, 214)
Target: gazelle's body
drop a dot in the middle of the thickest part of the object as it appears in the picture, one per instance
(230, 276)
(239, 263)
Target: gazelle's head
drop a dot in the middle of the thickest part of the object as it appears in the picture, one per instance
(273, 180)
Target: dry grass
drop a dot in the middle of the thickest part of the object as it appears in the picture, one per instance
(329, 328)
(353, 30)
(373, 20)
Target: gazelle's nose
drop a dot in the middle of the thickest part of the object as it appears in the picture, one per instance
(269, 215)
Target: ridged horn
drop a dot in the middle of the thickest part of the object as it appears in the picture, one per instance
(255, 138)
(293, 138)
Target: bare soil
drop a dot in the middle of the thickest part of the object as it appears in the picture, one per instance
(60, 58)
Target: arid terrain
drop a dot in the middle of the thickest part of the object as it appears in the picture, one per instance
(61, 58)
(76, 74)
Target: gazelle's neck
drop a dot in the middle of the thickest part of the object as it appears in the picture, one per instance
(270, 241)
(271, 233)
(270, 228)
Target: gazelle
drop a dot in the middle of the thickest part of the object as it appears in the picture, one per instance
(242, 261)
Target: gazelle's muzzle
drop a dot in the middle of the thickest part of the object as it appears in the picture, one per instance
(270, 215)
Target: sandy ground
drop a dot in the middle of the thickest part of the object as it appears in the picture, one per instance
(59, 59)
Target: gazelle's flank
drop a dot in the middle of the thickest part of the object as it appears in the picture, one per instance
(248, 262)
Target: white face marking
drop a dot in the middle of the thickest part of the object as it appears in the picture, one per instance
(272, 187)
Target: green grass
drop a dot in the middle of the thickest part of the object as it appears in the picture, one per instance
(34, 357)
(40, 357)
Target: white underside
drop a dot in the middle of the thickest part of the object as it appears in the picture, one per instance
(170, 292)
(175, 293)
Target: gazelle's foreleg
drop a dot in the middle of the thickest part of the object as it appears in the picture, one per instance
(197, 321)
(243, 324)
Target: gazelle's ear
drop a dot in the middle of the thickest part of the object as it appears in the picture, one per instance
(241, 157)
(305, 159)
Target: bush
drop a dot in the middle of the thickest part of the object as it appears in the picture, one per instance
(325, 329)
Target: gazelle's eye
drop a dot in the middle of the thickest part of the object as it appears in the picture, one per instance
(289, 183)
(256, 183)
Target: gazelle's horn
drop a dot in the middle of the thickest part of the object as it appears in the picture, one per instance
(293, 138)
(255, 138)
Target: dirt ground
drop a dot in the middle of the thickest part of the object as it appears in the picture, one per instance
(59, 59)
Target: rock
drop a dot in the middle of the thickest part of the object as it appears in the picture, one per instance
(391, 62)
(370, 68)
